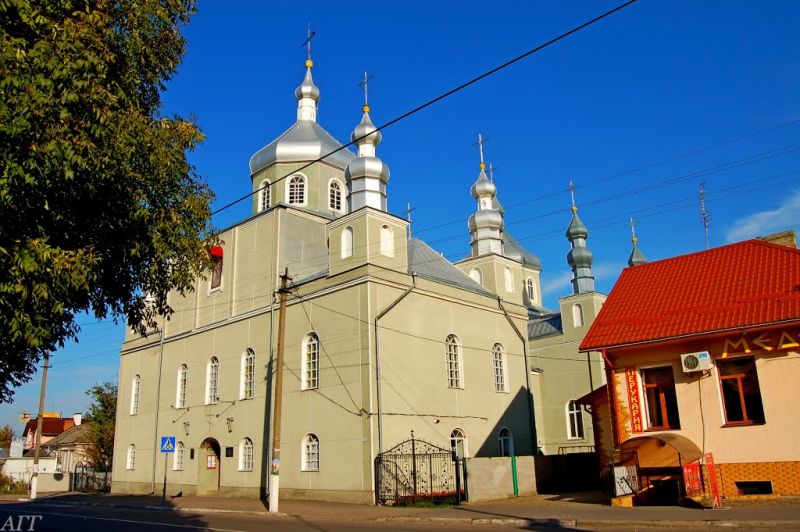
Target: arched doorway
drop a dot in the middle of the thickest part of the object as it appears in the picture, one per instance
(208, 467)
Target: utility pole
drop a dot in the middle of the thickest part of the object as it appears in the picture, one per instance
(274, 476)
(38, 437)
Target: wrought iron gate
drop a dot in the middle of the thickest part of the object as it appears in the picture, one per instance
(416, 470)
(86, 479)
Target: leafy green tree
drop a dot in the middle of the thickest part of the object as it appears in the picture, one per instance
(98, 203)
(6, 435)
(100, 418)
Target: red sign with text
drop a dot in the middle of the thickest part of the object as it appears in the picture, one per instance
(634, 406)
(692, 479)
(712, 480)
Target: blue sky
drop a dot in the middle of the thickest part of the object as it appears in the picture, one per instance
(650, 84)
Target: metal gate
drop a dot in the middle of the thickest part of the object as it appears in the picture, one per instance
(86, 479)
(416, 470)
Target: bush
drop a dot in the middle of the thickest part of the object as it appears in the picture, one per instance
(9, 485)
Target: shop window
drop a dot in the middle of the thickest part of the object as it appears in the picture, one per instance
(662, 405)
(741, 395)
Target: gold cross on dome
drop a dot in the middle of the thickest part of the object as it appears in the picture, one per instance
(364, 84)
(479, 144)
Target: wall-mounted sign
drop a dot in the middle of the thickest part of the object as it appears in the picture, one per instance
(765, 341)
(634, 406)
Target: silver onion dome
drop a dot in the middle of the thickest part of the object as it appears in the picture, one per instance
(485, 220)
(366, 132)
(576, 228)
(307, 89)
(367, 167)
(483, 187)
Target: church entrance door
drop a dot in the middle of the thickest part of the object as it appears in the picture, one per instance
(208, 467)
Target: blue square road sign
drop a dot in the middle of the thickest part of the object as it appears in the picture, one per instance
(167, 444)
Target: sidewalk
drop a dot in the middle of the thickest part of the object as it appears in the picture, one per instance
(537, 510)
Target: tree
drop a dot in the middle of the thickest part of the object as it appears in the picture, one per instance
(100, 209)
(7, 434)
(100, 418)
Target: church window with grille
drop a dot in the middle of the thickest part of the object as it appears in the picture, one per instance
(131, 461)
(246, 455)
(178, 459)
(310, 453)
(180, 394)
(458, 442)
(505, 442)
(263, 196)
(248, 373)
(454, 359)
(136, 392)
(297, 190)
(212, 381)
(499, 368)
(335, 196)
(574, 421)
(531, 288)
(310, 366)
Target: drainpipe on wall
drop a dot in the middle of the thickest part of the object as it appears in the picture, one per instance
(378, 357)
(524, 340)
(158, 404)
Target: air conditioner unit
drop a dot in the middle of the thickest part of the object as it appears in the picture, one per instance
(691, 362)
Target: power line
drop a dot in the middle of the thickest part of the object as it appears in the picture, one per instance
(440, 97)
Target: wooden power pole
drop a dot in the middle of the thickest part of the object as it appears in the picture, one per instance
(275, 470)
(38, 437)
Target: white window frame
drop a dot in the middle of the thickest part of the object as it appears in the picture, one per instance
(136, 394)
(304, 189)
(181, 385)
(346, 242)
(309, 362)
(458, 435)
(130, 461)
(246, 454)
(578, 319)
(386, 241)
(309, 450)
(247, 388)
(530, 286)
(508, 276)
(178, 461)
(505, 442)
(454, 362)
(499, 368)
(335, 183)
(264, 195)
(477, 275)
(574, 413)
(212, 381)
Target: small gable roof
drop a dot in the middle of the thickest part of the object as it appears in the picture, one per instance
(51, 426)
(745, 284)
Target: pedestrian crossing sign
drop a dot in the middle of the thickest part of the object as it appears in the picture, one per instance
(167, 444)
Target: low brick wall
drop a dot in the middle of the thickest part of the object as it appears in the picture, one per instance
(785, 477)
(491, 478)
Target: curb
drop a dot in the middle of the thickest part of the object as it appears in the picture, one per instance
(66, 504)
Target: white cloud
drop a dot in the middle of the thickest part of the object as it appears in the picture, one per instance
(557, 283)
(561, 282)
(764, 222)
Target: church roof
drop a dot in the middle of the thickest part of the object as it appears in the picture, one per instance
(547, 325)
(425, 262)
(304, 141)
(514, 250)
(740, 285)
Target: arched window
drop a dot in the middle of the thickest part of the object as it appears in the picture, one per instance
(180, 388)
(509, 278)
(530, 286)
(177, 460)
(505, 442)
(454, 359)
(136, 392)
(310, 362)
(476, 275)
(263, 196)
(297, 191)
(309, 457)
(387, 241)
(335, 196)
(499, 367)
(212, 381)
(574, 421)
(246, 455)
(577, 315)
(458, 442)
(131, 461)
(248, 374)
(347, 242)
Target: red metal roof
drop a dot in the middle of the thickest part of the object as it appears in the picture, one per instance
(51, 426)
(745, 284)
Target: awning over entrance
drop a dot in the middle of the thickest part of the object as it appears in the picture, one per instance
(686, 448)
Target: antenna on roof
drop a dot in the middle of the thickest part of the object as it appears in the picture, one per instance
(409, 208)
(705, 216)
